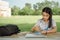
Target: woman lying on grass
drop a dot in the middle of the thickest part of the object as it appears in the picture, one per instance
(46, 25)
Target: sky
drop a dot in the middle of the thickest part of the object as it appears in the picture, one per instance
(21, 3)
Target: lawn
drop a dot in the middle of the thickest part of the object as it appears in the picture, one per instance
(25, 23)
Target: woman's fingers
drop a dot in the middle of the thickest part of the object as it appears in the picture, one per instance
(33, 29)
(43, 32)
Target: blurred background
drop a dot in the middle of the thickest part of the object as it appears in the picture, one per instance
(25, 13)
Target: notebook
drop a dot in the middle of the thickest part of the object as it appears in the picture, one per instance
(35, 35)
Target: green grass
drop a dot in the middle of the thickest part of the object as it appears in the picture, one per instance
(25, 23)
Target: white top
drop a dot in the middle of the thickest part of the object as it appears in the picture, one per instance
(43, 25)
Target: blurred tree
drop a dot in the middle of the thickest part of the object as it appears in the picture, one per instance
(15, 10)
(37, 8)
(27, 9)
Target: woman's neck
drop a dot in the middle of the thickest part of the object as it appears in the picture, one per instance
(46, 21)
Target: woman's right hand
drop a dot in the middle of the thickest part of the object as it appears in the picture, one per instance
(43, 32)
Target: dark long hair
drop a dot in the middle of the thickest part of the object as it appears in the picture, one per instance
(49, 11)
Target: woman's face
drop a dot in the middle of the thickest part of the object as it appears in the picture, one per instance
(45, 16)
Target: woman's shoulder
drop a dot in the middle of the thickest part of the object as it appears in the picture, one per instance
(53, 23)
(53, 20)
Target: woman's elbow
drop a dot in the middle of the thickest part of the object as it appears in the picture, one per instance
(55, 30)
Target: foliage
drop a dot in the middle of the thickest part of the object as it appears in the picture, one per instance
(36, 9)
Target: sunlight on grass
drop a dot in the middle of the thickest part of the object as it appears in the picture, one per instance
(25, 23)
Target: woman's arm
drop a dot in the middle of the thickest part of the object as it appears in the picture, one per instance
(36, 28)
(54, 29)
(50, 31)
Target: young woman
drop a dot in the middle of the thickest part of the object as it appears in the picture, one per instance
(45, 25)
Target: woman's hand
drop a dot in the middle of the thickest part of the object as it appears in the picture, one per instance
(43, 32)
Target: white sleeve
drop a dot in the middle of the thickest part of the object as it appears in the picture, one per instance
(53, 23)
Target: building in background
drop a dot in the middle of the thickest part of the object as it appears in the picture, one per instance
(5, 10)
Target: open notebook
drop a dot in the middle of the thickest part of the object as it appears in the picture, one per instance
(35, 35)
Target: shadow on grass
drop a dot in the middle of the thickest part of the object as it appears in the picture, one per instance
(27, 27)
